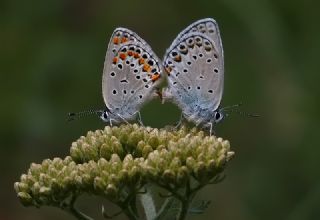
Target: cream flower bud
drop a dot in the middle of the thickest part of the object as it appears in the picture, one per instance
(25, 198)
(111, 191)
(117, 161)
(169, 176)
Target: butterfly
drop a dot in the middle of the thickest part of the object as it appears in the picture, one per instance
(195, 71)
(131, 74)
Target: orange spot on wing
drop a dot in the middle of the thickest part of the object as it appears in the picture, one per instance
(115, 60)
(124, 39)
(177, 58)
(136, 55)
(155, 77)
(141, 61)
(116, 40)
(123, 56)
(168, 70)
(146, 67)
(130, 53)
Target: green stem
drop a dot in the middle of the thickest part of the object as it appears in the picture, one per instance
(130, 214)
(73, 211)
(126, 209)
(164, 208)
(132, 205)
(129, 206)
(77, 214)
(172, 191)
(185, 202)
(184, 209)
(184, 199)
(148, 205)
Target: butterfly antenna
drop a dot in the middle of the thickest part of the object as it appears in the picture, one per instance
(231, 106)
(233, 109)
(73, 116)
(244, 113)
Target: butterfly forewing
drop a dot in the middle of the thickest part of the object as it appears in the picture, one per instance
(131, 71)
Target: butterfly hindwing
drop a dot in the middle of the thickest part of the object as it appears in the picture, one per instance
(131, 71)
(206, 26)
(194, 64)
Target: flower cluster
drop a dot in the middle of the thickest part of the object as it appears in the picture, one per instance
(117, 161)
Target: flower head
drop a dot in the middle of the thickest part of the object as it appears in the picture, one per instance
(117, 161)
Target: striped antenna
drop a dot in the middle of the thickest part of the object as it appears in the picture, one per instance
(73, 116)
(233, 109)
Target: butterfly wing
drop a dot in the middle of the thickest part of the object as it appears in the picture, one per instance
(194, 63)
(207, 26)
(131, 72)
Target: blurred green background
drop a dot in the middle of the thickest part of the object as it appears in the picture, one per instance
(52, 54)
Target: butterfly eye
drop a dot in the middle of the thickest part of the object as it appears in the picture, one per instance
(218, 117)
(105, 115)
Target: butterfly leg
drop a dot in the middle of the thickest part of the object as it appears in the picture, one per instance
(139, 118)
(157, 94)
(211, 131)
(165, 95)
(110, 121)
(123, 118)
(179, 122)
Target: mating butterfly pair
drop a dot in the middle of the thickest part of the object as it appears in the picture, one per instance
(193, 65)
